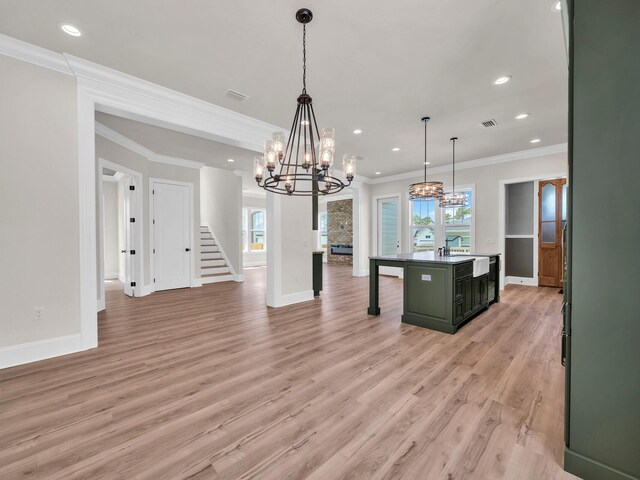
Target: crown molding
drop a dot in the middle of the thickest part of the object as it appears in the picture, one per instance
(135, 147)
(167, 108)
(181, 162)
(123, 141)
(27, 52)
(109, 178)
(480, 162)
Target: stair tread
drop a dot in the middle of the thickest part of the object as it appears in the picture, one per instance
(216, 275)
(215, 266)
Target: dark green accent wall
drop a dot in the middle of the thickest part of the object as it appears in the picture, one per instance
(604, 360)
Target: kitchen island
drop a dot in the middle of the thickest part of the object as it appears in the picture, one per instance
(440, 292)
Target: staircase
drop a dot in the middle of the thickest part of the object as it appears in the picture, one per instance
(213, 265)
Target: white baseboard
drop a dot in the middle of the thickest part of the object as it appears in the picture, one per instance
(196, 282)
(221, 278)
(101, 305)
(292, 298)
(238, 277)
(533, 282)
(143, 291)
(122, 279)
(255, 263)
(111, 276)
(39, 350)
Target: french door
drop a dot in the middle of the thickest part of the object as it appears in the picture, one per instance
(388, 219)
(552, 197)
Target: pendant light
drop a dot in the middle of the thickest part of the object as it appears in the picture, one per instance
(426, 190)
(453, 199)
(293, 168)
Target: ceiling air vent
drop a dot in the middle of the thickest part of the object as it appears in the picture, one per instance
(237, 96)
(489, 123)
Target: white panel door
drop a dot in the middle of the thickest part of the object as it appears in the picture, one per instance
(171, 236)
(389, 231)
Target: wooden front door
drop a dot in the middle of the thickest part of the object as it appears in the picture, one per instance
(551, 218)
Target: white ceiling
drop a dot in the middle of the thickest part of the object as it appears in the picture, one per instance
(376, 65)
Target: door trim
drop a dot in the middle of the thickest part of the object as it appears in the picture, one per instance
(192, 261)
(137, 271)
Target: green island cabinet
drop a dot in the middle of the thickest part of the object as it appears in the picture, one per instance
(440, 293)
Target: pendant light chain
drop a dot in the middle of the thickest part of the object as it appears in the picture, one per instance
(425, 149)
(304, 58)
(454, 165)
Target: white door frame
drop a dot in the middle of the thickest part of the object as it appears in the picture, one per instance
(192, 258)
(139, 216)
(502, 224)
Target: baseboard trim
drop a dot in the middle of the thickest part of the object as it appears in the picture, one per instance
(101, 305)
(143, 291)
(254, 264)
(196, 282)
(589, 469)
(290, 299)
(111, 275)
(510, 280)
(39, 350)
(238, 277)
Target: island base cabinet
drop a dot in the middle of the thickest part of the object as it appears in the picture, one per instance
(428, 293)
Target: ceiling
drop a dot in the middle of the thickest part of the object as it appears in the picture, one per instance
(374, 65)
(187, 147)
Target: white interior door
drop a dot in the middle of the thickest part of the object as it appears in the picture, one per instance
(389, 231)
(130, 240)
(171, 235)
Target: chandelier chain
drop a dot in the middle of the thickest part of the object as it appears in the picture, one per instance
(304, 58)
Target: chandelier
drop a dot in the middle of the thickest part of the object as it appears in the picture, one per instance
(453, 199)
(426, 190)
(294, 167)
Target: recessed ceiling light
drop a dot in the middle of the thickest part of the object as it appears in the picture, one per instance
(521, 116)
(502, 80)
(378, 173)
(395, 149)
(357, 131)
(230, 160)
(535, 140)
(70, 29)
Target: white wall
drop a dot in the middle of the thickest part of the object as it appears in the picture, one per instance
(221, 211)
(254, 259)
(289, 253)
(115, 153)
(111, 227)
(39, 239)
(486, 180)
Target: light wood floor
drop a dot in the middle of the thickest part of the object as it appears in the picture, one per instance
(208, 383)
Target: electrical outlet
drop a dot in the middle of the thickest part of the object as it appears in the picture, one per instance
(39, 313)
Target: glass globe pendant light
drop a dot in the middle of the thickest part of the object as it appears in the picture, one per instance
(453, 199)
(303, 166)
(426, 190)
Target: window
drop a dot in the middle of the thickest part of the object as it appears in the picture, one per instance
(423, 232)
(431, 225)
(322, 226)
(457, 225)
(253, 230)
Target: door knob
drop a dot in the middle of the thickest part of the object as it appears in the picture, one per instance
(123, 251)
(187, 249)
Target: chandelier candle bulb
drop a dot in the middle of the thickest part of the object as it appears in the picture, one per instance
(258, 168)
(270, 155)
(349, 165)
(278, 143)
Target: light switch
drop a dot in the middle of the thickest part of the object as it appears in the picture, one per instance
(426, 278)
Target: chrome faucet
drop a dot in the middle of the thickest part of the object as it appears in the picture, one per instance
(447, 250)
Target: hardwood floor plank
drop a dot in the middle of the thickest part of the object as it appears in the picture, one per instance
(209, 383)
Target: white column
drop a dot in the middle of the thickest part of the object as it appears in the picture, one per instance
(289, 250)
